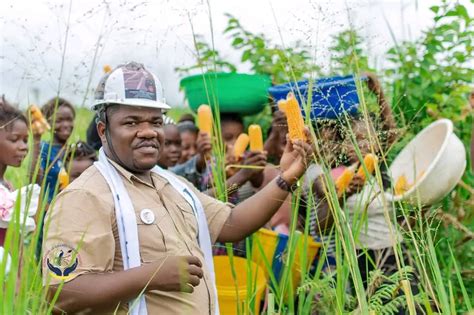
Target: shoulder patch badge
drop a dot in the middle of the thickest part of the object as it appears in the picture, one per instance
(61, 261)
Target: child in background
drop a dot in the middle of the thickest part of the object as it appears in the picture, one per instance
(13, 148)
(189, 133)
(51, 154)
(79, 158)
(171, 151)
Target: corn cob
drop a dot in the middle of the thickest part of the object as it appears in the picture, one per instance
(256, 140)
(36, 112)
(401, 185)
(293, 117)
(370, 161)
(240, 145)
(282, 105)
(38, 123)
(38, 128)
(63, 178)
(343, 181)
(205, 119)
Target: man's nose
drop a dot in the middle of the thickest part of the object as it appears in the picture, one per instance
(147, 131)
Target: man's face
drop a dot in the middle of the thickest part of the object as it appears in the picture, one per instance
(136, 136)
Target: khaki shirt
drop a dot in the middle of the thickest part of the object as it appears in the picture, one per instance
(82, 235)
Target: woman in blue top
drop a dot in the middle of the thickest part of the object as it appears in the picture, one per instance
(60, 115)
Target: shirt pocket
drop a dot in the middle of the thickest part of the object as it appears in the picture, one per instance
(152, 239)
(189, 218)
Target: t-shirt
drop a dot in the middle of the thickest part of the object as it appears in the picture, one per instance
(47, 161)
(367, 212)
(82, 221)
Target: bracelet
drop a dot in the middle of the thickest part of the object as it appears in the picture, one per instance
(232, 189)
(284, 185)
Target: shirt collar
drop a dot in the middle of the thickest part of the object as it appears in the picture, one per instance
(158, 181)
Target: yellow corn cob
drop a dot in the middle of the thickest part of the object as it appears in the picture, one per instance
(282, 105)
(63, 178)
(38, 123)
(107, 69)
(36, 113)
(343, 181)
(256, 140)
(370, 161)
(205, 118)
(240, 145)
(38, 128)
(293, 117)
(401, 185)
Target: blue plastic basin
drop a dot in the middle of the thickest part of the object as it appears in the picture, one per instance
(331, 97)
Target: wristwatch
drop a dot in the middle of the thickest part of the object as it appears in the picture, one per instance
(284, 185)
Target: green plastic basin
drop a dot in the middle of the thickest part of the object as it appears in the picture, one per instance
(245, 94)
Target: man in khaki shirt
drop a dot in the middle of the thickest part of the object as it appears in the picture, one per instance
(81, 243)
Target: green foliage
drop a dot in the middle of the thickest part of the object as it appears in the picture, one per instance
(384, 291)
(207, 59)
(348, 54)
(283, 64)
(325, 297)
(431, 77)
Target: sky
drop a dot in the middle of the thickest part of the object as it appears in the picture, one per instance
(62, 45)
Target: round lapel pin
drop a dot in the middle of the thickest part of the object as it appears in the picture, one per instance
(147, 216)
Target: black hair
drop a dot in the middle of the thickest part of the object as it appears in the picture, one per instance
(186, 117)
(50, 106)
(232, 117)
(9, 114)
(80, 151)
(105, 112)
(187, 126)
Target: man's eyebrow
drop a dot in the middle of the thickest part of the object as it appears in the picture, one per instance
(135, 117)
(132, 117)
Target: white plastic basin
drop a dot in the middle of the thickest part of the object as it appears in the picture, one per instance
(436, 158)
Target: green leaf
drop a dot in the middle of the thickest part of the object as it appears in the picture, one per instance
(435, 9)
(246, 55)
(462, 11)
(237, 41)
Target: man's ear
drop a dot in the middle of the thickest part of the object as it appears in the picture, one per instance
(101, 131)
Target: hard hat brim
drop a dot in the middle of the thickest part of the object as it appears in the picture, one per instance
(131, 102)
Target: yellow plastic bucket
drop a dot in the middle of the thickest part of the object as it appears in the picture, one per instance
(275, 248)
(311, 247)
(268, 240)
(232, 293)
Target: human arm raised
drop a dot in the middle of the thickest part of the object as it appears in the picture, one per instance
(254, 212)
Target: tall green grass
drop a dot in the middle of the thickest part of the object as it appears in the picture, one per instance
(440, 283)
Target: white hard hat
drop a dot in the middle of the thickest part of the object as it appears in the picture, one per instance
(130, 84)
